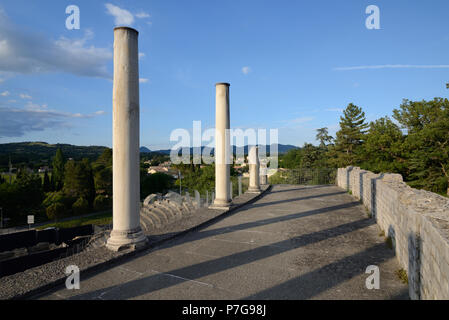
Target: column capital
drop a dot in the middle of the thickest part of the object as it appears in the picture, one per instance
(126, 28)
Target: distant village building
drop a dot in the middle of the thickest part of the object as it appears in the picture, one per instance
(161, 169)
(166, 164)
(156, 169)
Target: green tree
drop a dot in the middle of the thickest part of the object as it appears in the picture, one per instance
(291, 160)
(102, 171)
(383, 147)
(427, 142)
(78, 180)
(55, 211)
(350, 136)
(58, 170)
(154, 183)
(323, 136)
(311, 156)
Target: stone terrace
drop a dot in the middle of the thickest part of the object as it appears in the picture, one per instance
(296, 242)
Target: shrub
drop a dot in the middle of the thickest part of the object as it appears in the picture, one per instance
(58, 197)
(55, 211)
(81, 206)
(102, 203)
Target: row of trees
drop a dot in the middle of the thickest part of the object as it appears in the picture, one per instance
(415, 143)
(72, 188)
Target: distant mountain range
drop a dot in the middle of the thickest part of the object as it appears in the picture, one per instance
(282, 148)
(41, 152)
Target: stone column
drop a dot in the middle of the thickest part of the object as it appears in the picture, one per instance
(263, 174)
(126, 231)
(222, 148)
(240, 185)
(254, 176)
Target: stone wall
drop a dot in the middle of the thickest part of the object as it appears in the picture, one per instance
(417, 222)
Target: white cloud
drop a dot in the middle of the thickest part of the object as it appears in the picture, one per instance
(29, 52)
(143, 80)
(121, 16)
(142, 15)
(393, 66)
(4, 94)
(15, 122)
(25, 96)
(141, 55)
(100, 112)
(246, 70)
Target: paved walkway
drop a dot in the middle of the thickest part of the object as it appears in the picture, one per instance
(296, 242)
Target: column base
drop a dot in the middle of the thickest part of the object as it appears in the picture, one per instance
(221, 204)
(127, 239)
(254, 190)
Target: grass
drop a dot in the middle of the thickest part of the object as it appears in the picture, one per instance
(368, 213)
(100, 219)
(350, 192)
(382, 233)
(402, 275)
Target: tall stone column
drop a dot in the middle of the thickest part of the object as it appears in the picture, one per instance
(126, 231)
(222, 148)
(254, 167)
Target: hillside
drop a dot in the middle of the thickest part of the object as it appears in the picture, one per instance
(41, 153)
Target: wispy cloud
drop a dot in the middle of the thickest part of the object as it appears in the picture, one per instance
(142, 15)
(393, 66)
(121, 16)
(25, 96)
(15, 122)
(143, 80)
(29, 52)
(141, 55)
(246, 70)
(4, 94)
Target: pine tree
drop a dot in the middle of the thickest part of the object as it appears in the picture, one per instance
(58, 170)
(323, 137)
(350, 136)
(427, 142)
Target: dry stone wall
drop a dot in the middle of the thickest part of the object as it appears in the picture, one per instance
(417, 221)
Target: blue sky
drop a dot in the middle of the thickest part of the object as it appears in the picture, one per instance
(292, 65)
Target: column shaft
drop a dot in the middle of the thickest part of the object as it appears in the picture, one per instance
(254, 167)
(126, 155)
(222, 147)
